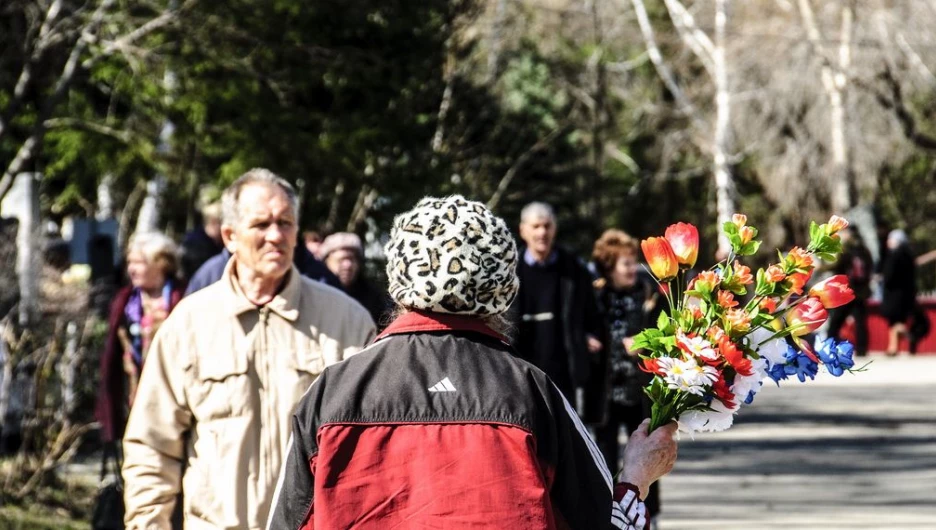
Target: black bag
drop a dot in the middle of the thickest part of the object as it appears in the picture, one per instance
(108, 511)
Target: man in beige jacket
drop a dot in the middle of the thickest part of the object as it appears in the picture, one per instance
(213, 411)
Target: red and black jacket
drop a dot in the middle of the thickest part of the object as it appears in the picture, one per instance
(439, 425)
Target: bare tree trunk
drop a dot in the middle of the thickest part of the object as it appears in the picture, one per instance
(724, 182)
(68, 372)
(497, 29)
(834, 84)
(148, 218)
(27, 242)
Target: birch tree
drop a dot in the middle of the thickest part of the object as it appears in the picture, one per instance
(713, 134)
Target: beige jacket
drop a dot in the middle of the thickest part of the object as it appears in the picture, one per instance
(218, 390)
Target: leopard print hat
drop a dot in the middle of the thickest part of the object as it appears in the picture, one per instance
(452, 255)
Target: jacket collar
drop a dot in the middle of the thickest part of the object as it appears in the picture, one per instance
(423, 321)
(284, 304)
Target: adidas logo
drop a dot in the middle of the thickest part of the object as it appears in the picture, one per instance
(443, 386)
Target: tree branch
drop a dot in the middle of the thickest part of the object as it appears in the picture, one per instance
(666, 75)
(521, 161)
(696, 39)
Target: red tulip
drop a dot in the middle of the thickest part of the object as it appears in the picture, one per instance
(660, 258)
(833, 292)
(684, 239)
(807, 317)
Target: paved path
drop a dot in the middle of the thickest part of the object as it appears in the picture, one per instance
(855, 452)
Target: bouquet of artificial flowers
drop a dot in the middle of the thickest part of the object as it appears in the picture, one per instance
(712, 350)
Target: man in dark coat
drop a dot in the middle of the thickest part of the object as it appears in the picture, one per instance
(556, 311)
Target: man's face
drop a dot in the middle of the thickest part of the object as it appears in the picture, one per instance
(538, 233)
(264, 237)
(345, 264)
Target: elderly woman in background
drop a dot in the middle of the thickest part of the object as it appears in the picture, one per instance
(628, 301)
(899, 279)
(135, 314)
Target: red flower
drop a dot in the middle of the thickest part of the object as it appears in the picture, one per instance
(837, 224)
(722, 392)
(807, 317)
(833, 292)
(742, 273)
(660, 258)
(684, 239)
(774, 274)
(651, 366)
(726, 299)
(732, 353)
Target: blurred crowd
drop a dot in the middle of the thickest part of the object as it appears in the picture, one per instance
(573, 319)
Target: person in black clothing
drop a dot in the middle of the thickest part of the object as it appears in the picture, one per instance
(899, 278)
(555, 312)
(202, 243)
(856, 263)
(343, 254)
(629, 304)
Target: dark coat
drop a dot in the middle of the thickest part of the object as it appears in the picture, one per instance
(578, 314)
(899, 273)
(111, 407)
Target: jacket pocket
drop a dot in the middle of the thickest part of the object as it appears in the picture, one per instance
(217, 485)
(221, 388)
(306, 363)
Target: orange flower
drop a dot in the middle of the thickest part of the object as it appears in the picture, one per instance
(742, 273)
(706, 281)
(684, 239)
(797, 280)
(768, 305)
(807, 317)
(774, 274)
(726, 299)
(833, 292)
(799, 259)
(730, 352)
(747, 234)
(836, 224)
(660, 258)
(739, 319)
(739, 219)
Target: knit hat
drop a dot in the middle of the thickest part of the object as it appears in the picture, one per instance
(340, 240)
(452, 255)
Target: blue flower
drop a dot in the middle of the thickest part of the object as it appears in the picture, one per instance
(836, 356)
(802, 367)
(777, 372)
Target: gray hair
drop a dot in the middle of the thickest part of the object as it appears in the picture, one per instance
(899, 237)
(157, 249)
(536, 210)
(230, 199)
